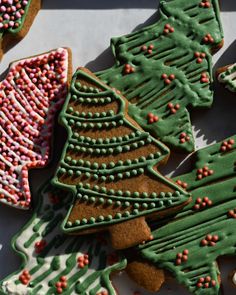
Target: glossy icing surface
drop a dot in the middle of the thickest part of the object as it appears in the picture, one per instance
(166, 67)
(106, 155)
(190, 245)
(228, 78)
(30, 95)
(54, 263)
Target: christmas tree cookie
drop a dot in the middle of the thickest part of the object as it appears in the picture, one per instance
(165, 68)
(54, 263)
(189, 246)
(30, 95)
(227, 76)
(110, 165)
(16, 17)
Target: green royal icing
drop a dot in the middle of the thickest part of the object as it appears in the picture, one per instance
(205, 227)
(228, 78)
(14, 23)
(92, 183)
(59, 256)
(172, 53)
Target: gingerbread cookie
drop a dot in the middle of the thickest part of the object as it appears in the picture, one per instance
(167, 67)
(227, 76)
(30, 95)
(16, 17)
(55, 263)
(110, 165)
(189, 246)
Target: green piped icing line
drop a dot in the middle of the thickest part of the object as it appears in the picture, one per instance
(173, 52)
(89, 180)
(228, 78)
(60, 254)
(211, 215)
(19, 12)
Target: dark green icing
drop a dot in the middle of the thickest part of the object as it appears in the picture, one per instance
(228, 78)
(172, 53)
(59, 254)
(109, 185)
(190, 229)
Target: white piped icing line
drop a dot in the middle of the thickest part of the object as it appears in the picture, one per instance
(30, 95)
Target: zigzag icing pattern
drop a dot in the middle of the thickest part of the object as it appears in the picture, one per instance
(205, 230)
(58, 264)
(166, 67)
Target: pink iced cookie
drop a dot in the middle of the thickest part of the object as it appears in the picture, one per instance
(30, 95)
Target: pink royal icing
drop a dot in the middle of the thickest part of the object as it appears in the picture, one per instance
(30, 95)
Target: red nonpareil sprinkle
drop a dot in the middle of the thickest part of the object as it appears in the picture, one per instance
(83, 260)
(151, 118)
(128, 69)
(205, 282)
(167, 81)
(59, 290)
(25, 277)
(227, 145)
(205, 4)
(183, 137)
(170, 105)
(63, 279)
(199, 60)
(210, 240)
(144, 48)
(201, 203)
(61, 285)
(164, 76)
(173, 108)
(208, 39)
(182, 184)
(168, 29)
(204, 242)
(182, 257)
(232, 213)
(204, 172)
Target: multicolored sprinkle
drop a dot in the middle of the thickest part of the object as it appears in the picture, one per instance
(30, 95)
